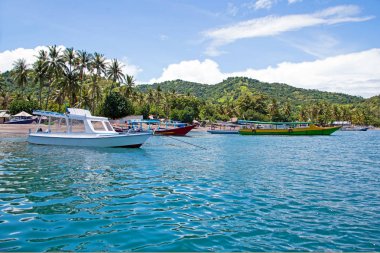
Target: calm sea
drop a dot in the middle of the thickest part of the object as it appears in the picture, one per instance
(243, 193)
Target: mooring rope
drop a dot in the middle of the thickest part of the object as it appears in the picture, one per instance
(186, 142)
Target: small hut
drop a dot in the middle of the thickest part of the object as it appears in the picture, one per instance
(4, 116)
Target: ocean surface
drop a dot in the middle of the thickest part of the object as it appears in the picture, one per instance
(239, 193)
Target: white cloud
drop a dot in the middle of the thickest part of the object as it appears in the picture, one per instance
(293, 1)
(130, 69)
(354, 73)
(193, 71)
(264, 4)
(8, 57)
(274, 25)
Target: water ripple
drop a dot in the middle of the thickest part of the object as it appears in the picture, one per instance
(242, 194)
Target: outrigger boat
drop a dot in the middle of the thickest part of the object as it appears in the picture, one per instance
(224, 128)
(284, 128)
(163, 128)
(80, 128)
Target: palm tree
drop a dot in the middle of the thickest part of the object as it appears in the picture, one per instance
(99, 64)
(128, 90)
(150, 97)
(55, 65)
(273, 109)
(20, 74)
(2, 83)
(158, 96)
(69, 56)
(115, 73)
(40, 73)
(71, 78)
(83, 63)
(287, 111)
(97, 68)
(95, 92)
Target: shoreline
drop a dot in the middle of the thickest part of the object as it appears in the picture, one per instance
(23, 129)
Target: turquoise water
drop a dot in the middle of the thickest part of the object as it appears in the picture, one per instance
(243, 193)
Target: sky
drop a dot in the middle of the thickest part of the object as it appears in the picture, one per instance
(330, 45)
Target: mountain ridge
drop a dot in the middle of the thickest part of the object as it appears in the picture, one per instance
(280, 91)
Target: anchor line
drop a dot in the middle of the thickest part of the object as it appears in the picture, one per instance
(186, 142)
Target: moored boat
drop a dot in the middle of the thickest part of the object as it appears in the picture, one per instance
(21, 118)
(161, 128)
(80, 128)
(354, 128)
(177, 129)
(284, 128)
(224, 128)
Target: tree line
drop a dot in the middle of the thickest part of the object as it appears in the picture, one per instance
(61, 78)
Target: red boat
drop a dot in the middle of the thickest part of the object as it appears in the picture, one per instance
(178, 131)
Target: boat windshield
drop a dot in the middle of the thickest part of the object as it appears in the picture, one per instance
(98, 125)
(108, 125)
(77, 126)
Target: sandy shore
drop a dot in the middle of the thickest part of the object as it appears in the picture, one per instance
(16, 128)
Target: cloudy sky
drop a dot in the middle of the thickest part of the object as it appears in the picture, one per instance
(331, 45)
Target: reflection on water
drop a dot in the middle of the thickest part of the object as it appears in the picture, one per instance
(244, 193)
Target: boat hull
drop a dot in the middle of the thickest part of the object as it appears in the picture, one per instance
(296, 131)
(179, 131)
(24, 121)
(223, 131)
(121, 140)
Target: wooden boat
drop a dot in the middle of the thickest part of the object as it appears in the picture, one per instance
(284, 128)
(161, 128)
(354, 128)
(80, 128)
(177, 131)
(224, 128)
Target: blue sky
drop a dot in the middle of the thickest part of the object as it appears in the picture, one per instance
(323, 44)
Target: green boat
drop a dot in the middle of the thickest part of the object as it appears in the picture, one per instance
(284, 128)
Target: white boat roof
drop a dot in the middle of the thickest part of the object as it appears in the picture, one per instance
(72, 113)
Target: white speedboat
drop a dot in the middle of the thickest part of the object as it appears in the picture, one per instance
(77, 127)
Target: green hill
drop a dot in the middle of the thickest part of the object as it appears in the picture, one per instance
(236, 85)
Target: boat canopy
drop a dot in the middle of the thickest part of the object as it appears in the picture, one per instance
(144, 121)
(243, 122)
(72, 113)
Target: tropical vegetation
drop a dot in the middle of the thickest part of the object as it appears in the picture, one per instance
(65, 77)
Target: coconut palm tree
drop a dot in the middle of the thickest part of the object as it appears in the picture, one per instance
(71, 84)
(55, 65)
(69, 56)
(128, 90)
(95, 92)
(115, 73)
(20, 74)
(2, 83)
(99, 64)
(40, 73)
(97, 69)
(83, 63)
(273, 109)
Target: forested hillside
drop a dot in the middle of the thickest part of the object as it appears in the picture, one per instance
(237, 85)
